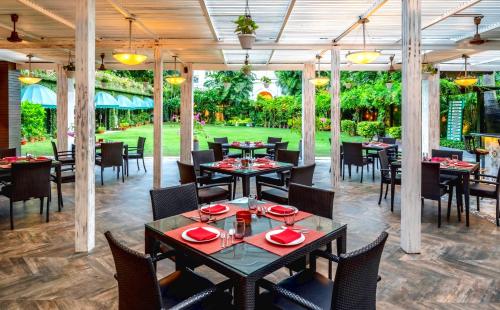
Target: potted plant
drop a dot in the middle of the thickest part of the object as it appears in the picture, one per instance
(24, 141)
(101, 130)
(266, 81)
(246, 69)
(245, 29)
(429, 69)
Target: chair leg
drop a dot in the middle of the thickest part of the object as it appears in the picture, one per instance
(386, 190)
(41, 205)
(117, 172)
(349, 168)
(329, 250)
(373, 170)
(144, 164)
(102, 179)
(123, 174)
(439, 212)
(343, 172)
(450, 199)
(498, 212)
(138, 165)
(477, 203)
(381, 192)
(47, 216)
(11, 215)
(362, 168)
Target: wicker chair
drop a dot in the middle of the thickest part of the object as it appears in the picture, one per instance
(206, 193)
(137, 153)
(225, 150)
(279, 194)
(208, 156)
(433, 188)
(385, 177)
(29, 180)
(354, 286)
(5, 177)
(453, 180)
(277, 146)
(472, 148)
(111, 156)
(139, 288)
(217, 150)
(487, 189)
(66, 158)
(353, 156)
(280, 178)
(67, 176)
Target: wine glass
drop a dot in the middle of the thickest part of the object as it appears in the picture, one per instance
(204, 217)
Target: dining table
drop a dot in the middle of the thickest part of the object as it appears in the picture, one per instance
(253, 257)
(247, 148)
(236, 169)
(462, 169)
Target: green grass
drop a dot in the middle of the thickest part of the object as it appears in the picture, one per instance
(171, 138)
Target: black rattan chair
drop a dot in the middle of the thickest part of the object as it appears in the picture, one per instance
(67, 176)
(353, 156)
(66, 158)
(225, 150)
(5, 177)
(453, 179)
(208, 156)
(135, 152)
(139, 288)
(111, 156)
(279, 194)
(206, 193)
(487, 189)
(447, 154)
(354, 286)
(280, 178)
(472, 147)
(433, 188)
(28, 180)
(385, 177)
(217, 150)
(271, 152)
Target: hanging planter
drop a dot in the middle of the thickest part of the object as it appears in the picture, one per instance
(266, 81)
(245, 29)
(246, 68)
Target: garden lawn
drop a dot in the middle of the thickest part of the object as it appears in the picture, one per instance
(171, 138)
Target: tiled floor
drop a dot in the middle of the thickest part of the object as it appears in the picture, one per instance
(459, 267)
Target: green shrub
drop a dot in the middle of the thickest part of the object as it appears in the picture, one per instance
(348, 126)
(369, 129)
(236, 121)
(394, 132)
(32, 120)
(323, 123)
(100, 129)
(452, 144)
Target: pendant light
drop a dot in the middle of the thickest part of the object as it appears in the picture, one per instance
(102, 67)
(28, 79)
(176, 78)
(319, 80)
(129, 57)
(465, 80)
(389, 83)
(365, 56)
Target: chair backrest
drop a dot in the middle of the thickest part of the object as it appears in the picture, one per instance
(138, 286)
(310, 199)
(221, 140)
(202, 157)
(302, 175)
(8, 152)
(170, 201)
(353, 153)
(273, 139)
(470, 143)
(54, 149)
(280, 146)
(447, 153)
(216, 147)
(355, 283)
(30, 180)
(388, 140)
(187, 173)
(286, 156)
(111, 154)
(384, 164)
(431, 188)
(141, 141)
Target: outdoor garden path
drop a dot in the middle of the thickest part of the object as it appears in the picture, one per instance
(459, 267)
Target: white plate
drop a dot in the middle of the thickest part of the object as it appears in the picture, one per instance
(281, 214)
(277, 231)
(212, 213)
(211, 229)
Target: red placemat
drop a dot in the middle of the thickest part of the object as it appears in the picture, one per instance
(205, 247)
(261, 242)
(232, 211)
(298, 217)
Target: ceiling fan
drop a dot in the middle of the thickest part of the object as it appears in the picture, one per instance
(477, 40)
(14, 36)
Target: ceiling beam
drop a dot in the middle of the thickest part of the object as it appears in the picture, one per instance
(210, 23)
(482, 29)
(486, 62)
(289, 10)
(373, 8)
(48, 13)
(451, 12)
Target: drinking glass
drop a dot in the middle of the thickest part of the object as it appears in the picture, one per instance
(454, 157)
(290, 219)
(425, 156)
(204, 217)
(252, 203)
(239, 228)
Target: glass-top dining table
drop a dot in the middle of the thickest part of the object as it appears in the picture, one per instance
(245, 262)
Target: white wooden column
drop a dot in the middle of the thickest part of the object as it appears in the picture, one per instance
(335, 118)
(412, 126)
(434, 111)
(308, 114)
(187, 115)
(85, 126)
(62, 109)
(158, 118)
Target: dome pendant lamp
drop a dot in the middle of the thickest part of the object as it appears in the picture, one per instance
(365, 56)
(28, 79)
(129, 57)
(465, 79)
(176, 78)
(319, 80)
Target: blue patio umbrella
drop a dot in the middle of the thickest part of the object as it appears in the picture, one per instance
(104, 100)
(124, 103)
(39, 94)
(138, 103)
(149, 102)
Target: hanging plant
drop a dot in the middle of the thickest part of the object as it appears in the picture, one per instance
(266, 81)
(429, 69)
(247, 68)
(245, 29)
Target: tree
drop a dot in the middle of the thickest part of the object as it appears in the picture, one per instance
(290, 82)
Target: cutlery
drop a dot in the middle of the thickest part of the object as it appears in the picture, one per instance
(304, 231)
(223, 239)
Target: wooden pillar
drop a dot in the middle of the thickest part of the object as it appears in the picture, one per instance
(335, 118)
(62, 109)
(85, 126)
(412, 126)
(434, 111)
(10, 107)
(187, 114)
(308, 114)
(158, 117)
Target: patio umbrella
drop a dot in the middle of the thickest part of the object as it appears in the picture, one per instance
(149, 102)
(138, 103)
(124, 103)
(39, 94)
(104, 100)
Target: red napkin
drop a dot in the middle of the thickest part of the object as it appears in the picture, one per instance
(235, 143)
(224, 165)
(463, 164)
(438, 159)
(266, 166)
(10, 158)
(262, 160)
(286, 236)
(41, 158)
(201, 234)
(282, 210)
(214, 209)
